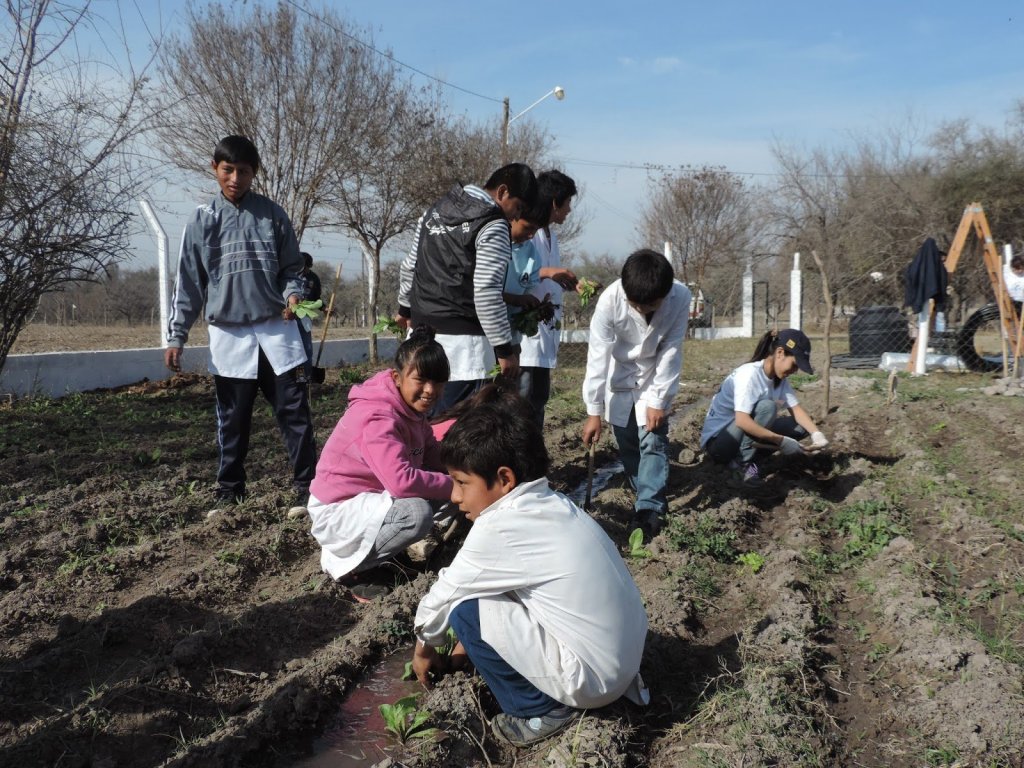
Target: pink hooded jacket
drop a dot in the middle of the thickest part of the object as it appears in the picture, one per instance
(380, 444)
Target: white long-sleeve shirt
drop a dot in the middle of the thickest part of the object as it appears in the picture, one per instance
(632, 363)
(556, 600)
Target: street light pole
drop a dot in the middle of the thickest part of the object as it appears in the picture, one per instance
(558, 92)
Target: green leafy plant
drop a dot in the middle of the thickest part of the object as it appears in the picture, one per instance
(636, 544)
(587, 289)
(310, 309)
(704, 538)
(390, 325)
(752, 560)
(405, 720)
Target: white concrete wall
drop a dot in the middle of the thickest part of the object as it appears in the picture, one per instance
(58, 373)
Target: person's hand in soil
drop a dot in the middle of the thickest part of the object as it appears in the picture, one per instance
(426, 661)
(592, 430)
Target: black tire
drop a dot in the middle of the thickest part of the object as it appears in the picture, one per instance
(965, 346)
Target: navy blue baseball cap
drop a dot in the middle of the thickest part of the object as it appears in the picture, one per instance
(797, 344)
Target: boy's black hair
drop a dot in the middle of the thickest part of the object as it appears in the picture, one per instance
(425, 355)
(538, 214)
(647, 276)
(497, 434)
(519, 179)
(307, 259)
(556, 185)
(237, 149)
(1017, 262)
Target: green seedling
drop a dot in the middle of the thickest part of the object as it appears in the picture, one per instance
(636, 544)
(444, 650)
(390, 325)
(495, 372)
(405, 720)
(310, 309)
(752, 560)
(587, 289)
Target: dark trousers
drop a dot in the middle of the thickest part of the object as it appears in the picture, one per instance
(288, 397)
(515, 694)
(454, 393)
(535, 386)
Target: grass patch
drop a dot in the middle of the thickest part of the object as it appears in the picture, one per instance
(703, 537)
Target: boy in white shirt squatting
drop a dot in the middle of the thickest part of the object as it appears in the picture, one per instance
(634, 360)
(538, 596)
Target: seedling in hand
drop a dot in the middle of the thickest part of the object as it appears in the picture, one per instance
(586, 289)
(310, 309)
(388, 324)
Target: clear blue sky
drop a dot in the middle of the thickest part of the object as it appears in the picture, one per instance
(683, 83)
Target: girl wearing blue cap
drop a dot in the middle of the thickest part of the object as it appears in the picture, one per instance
(744, 414)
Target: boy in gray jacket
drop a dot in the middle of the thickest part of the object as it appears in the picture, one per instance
(240, 258)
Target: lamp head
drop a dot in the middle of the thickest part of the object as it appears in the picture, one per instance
(559, 92)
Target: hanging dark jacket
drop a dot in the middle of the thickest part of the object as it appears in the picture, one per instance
(926, 278)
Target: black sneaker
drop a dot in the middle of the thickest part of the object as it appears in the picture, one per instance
(524, 731)
(224, 500)
(649, 521)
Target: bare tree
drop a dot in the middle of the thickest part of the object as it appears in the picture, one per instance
(302, 88)
(706, 214)
(67, 170)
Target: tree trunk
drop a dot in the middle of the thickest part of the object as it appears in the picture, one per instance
(826, 373)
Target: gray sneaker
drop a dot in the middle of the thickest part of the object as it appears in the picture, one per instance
(524, 731)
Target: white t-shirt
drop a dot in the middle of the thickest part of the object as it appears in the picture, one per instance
(1014, 284)
(741, 391)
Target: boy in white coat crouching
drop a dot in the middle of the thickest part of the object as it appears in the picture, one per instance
(538, 596)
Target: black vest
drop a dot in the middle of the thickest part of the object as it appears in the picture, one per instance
(442, 285)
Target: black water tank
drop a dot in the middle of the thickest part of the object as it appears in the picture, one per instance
(874, 330)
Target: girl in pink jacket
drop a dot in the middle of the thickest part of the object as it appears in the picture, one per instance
(379, 477)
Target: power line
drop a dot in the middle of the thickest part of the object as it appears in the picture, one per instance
(390, 57)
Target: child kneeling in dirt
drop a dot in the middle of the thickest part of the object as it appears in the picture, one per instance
(743, 415)
(538, 596)
(381, 467)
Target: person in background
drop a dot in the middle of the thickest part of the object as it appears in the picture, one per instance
(311, 291)
(634, 361)
(240, 265)
(1013, 278)
(452, 278)
(744, 414)
(539, 353)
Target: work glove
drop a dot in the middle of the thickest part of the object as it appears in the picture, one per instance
(790, 447)
(818, 440)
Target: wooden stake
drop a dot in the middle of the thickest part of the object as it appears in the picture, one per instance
(590, 474)
(327, 316)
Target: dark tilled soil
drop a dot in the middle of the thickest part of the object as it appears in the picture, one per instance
(869, 611)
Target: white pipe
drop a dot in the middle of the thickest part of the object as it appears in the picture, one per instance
(163, 267)
(923, 319)
(796, 294)
(1008, 253)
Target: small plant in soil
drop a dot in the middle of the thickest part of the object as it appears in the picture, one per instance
(636, 545)
(753, 561)
(704, 538)
(405, 720)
